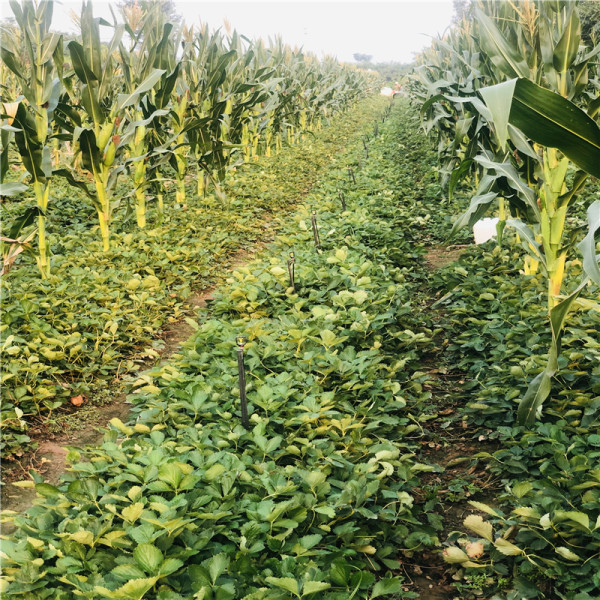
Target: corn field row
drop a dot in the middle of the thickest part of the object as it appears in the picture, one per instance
(512, 96)
(156, 102)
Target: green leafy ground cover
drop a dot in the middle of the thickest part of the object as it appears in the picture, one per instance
(100, 314)
(317, 498)
(547, 522)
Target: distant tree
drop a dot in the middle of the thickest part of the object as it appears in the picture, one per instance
(589, 14)
(462, 9)
(362, 57)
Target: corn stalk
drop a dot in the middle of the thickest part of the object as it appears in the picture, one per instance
(35, 73)
(510, 118)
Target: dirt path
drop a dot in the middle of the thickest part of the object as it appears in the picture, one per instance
(450, 444)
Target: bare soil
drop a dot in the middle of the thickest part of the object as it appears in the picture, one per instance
(451, 444)
(440, 256)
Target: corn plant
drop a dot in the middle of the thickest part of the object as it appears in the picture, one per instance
(103, 138)
(519, 138)
(152, 49)
(39, 89)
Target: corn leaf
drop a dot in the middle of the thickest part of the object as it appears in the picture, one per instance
(554, 121)
(587, 246)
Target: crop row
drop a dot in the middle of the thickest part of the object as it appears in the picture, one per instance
(153, 101)
(512, 95)
(315, 496)
(97, 317)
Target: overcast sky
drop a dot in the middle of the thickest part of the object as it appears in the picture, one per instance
(389, 31)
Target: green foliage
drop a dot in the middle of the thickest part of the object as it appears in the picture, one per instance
(539, 88)
(314, 498)
(99, 314)
(156, 94)
(545, 534)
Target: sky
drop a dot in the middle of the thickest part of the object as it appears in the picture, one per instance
(390, 31)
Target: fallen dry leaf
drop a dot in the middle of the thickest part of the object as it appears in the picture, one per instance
(77, 400)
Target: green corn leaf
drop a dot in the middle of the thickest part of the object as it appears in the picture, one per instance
(25, 220)
(498, 99)
(48, 47)
(8, 58)
(521, 143)
(90, 37)
(587, 247)
(89, 151)
(537, 392)
(89, 101)
(125, 100)
(568, 45)
(107, 69)
(532, 246)
(68, 175)
(559, 313)
(457, 174)
(29, 145)
(80, 65)
(512, 176)
(163, 95)
(554, 121)
(594, 106)
(501, 52)
(12, 188)
(478, 207)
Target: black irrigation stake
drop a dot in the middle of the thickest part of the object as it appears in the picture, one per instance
(316, 230)
(376, 130)
(291, 264)
(351, 175)
(366, 149)
(342, 199)
(240, 341)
